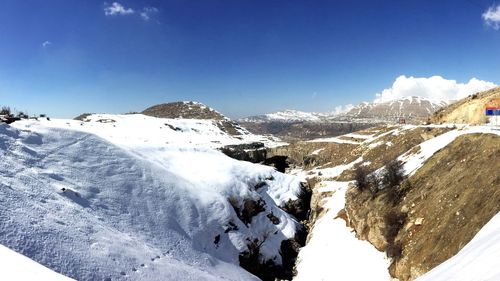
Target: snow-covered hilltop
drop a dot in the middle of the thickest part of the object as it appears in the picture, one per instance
(133, 197)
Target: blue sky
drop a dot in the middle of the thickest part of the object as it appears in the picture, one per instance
(242, 57)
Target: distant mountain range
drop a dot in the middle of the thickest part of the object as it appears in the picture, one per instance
(409, 107)
(296, 124)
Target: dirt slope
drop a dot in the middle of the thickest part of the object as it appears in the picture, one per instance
(469, 110)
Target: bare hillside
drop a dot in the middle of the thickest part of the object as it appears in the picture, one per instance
(469, 110)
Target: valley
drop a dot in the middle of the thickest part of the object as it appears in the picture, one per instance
(138, 197)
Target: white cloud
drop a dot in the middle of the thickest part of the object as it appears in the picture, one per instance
(45, 44)
(434, 88)
(147, 12)
(117, 9)
(492, 17)
(342, 109)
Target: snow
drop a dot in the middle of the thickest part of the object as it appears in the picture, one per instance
(426, 149)
(334, 252)
(135, 199)
(358, 136)
(14, 266)
(327, 173)
(375, 144)
(335, 140)
(317, 151)
(477, 261)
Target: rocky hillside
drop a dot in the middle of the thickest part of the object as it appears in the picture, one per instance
(447, 193)
(443, 205)
(470, 110)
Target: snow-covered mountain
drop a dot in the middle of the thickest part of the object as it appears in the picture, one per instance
(416, 107)
(133, 197)
(288, 115)
(293, 124)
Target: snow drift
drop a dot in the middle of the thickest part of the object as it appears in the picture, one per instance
(136, 197)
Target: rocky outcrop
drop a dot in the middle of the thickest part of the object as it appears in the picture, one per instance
(252, 152)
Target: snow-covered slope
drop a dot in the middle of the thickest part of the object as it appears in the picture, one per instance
(136, 197)
(478, 260)
(14, 266)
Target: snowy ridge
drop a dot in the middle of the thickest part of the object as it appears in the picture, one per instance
(126, 199)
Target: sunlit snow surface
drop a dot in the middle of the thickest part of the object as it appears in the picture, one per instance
(14, 266)
(334, 252)
(134, 199)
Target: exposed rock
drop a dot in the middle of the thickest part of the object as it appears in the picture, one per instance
(274, 219)
(301, 206)
(248, 209)
(281, 163)
(252, 152)
(82, 117)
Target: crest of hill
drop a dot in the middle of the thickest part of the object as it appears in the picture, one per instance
(469, 110)
(194, 110)
(183, 110)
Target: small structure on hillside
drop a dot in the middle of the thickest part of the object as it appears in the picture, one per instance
(492, 110)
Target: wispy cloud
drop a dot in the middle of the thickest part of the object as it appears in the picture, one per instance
(45, 44)
(117, 9)
(434, 88)
(147, 12)
(492, 17)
